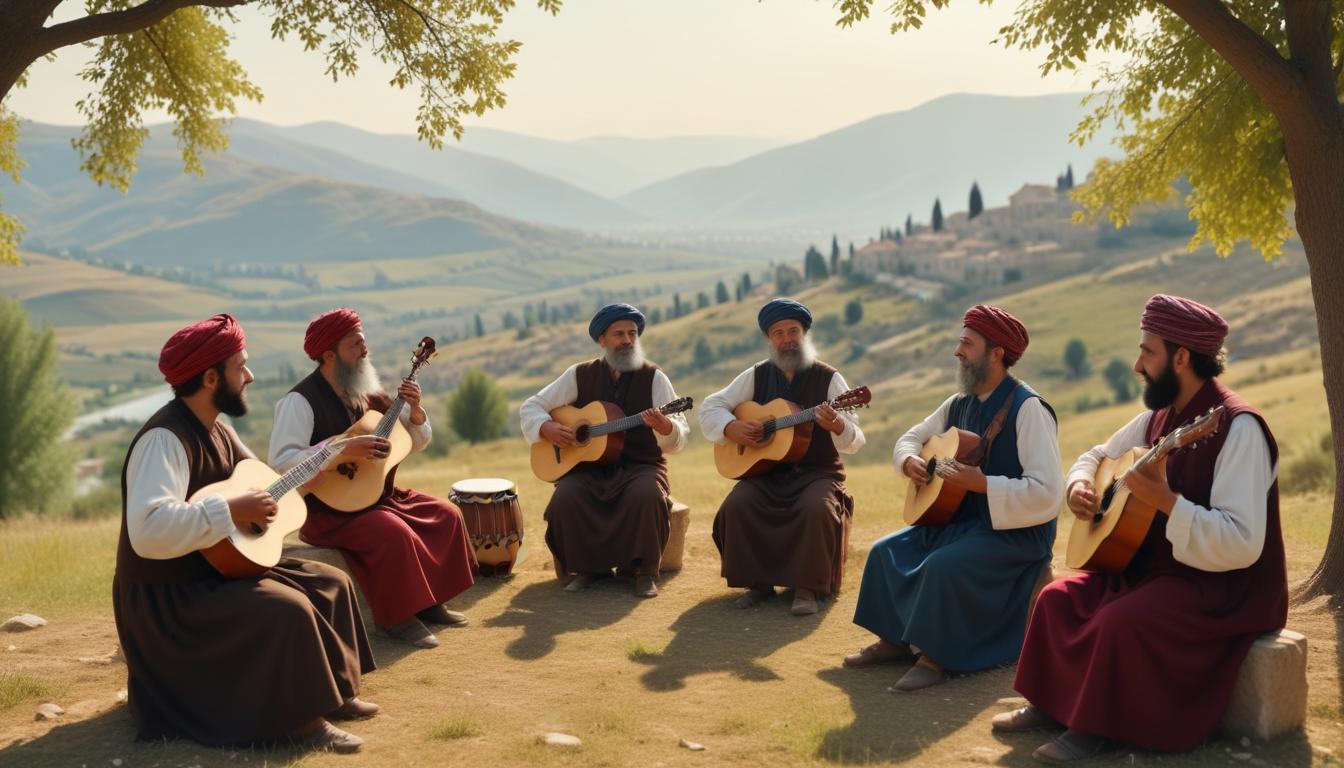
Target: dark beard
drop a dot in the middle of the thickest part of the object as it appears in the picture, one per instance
(1161, 392)
(971, 374)
(232, 403)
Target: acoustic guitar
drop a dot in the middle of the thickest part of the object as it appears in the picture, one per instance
(1109, 540)
(599, 435)
(935, 503)
(786, 435)
(355, 485)
(250, 552)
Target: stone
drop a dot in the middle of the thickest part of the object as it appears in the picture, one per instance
(680, 520)
(693, 746)
(48, 712)
(23, 622)
(335, 559)
(1270, 696)
(559, 740)
(121, 695)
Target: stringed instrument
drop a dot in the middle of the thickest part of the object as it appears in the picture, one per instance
(354, 485)
(1109, 540)
(935, 502)
(252, 551)
(599, 435)
(786, 435)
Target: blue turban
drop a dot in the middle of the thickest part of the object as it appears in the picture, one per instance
(783, 309)
(610, 314)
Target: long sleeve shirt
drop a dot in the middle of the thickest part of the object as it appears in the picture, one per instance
(536, 410)
(716, 412)
(293, 428)
(160, 524)
(1014, 502)
(1231, 532)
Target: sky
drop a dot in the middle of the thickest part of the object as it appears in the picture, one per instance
(646, 68)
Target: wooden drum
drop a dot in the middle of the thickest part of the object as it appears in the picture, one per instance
(494, 522)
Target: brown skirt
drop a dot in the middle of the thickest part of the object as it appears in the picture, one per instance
(609, 517)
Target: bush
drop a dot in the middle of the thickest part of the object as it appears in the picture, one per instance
(35, 465)
(103, 502)
(1311, 470)
(478, 409)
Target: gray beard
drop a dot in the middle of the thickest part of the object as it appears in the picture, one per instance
(971, 375)
(359, 380)
(792, 361)
(625, 360)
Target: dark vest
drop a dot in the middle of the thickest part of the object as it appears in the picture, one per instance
(211, 457)
(970, 413)
(1260, 591)
(807, 389)
(632, 392)
(331, 416)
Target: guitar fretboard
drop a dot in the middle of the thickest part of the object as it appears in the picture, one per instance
(299, 474)
(619, 425)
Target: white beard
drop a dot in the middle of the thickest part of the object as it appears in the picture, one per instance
(625, 362)
(359, 380)
(790, 363)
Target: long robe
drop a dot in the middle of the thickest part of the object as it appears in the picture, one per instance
(229, 661)
(1150, 657)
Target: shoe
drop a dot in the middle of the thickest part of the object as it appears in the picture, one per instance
(880, 652)
(580, 582)
(1071, 746)
(804, 603)
(440, 614)
(1023, 719)
(919, 676)
(645, 586)
(414, 632)
(354, 709)
(328, 738)
(754, 597)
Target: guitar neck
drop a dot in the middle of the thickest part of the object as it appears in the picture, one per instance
(299, 474)
(390, 418)
(795, 419)
(619, 425)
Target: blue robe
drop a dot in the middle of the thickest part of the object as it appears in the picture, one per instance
(960, 593)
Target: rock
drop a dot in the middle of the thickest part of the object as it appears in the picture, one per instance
(559, 740)
(98, 661)
(116, 761)
(693, 746)
(1241, 755)
(1270, 696)
(48, 712)
(121, 695)
(1011, 701)
(12, 648)
(23, 622)
(1245, 742)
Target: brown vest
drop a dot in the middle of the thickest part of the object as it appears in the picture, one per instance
(807, 389)
(632, 392)
(331, 416)
(211, 457)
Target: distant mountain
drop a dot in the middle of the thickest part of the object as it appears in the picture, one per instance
(876, 172)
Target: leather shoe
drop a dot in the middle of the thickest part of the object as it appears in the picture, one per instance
(645, 586)
(580, 582)
(354, 709)
(414, 632)
(1071, 746)
(880, 652)
(919, 676)
(440, 614)
(327, 737)
(1023, 719)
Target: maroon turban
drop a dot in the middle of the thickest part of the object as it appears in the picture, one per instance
(329, 328)
(1185, 323)
(199, 346)
(1000, 329)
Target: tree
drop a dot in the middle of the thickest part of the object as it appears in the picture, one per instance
(1243, 101)
(814, 265)
(909, 225)
(835, 255)
(656, 316)
(1075, 358)
(937, 219)
(1068, 177)
(35, 411)
(478, 409)
(676, 305)
(853, 311)
(976, 205)
(721, 293)
(510, 321)
(703, 356)
(1120, 378)
(701, 300)
(173, 55)
(480, 326)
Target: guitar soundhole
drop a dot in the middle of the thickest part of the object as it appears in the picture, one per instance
(1106, 498)
(582, 434)
(931, 467)
(348, 469)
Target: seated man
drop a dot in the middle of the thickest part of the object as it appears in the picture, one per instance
(959, 593)
(790, 526)
(1150, 657)
(613, 516)
(223, 661)
(408, 551)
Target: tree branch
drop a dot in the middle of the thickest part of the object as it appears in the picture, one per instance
(133, 19)
(1267, 73)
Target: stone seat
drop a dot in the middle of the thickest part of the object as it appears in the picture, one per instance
(1270, 697)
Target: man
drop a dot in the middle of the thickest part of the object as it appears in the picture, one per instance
(960, 593)
(1150, 657)
(409, 550)
(614, 516)
(217, 660)
(790, 526)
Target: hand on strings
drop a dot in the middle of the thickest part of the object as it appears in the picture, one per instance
(254, 507)
(370, 447)
(410, 392)
(829, 419)
(742, 432)
(968, 477)
(1082, 500)
(1149, 485)
(916, 469)
(557, 434)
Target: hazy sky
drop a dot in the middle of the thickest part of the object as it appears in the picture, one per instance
(778, 68)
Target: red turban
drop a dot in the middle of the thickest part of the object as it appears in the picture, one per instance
(1185, 323)
(1000, 329)
(199, 346)
(329, 328)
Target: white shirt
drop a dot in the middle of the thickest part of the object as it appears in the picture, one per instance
(293, 428)
(717, 410)
(1231, 534)
(159, 522)
(536, 410)
(1014, 502)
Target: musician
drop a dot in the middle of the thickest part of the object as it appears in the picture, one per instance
(408, 551)
(613, 516)
(790, 526)
(959, 593)
(219, 660)
(1149, 658)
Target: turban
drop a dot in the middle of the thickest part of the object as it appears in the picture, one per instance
(783, 309)
(1000, 329)
(329, 328)
(199, 346)
(613, 313)
(1185, 323)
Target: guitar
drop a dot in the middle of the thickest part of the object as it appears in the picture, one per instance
(599, 434)
(935, 503)
(1109, 540)
(247, 553)
(355, 485)
(787, 433)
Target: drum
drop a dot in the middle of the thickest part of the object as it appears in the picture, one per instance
(494, 522)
